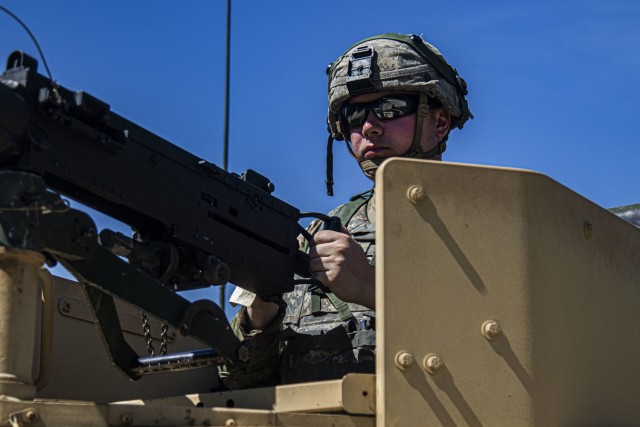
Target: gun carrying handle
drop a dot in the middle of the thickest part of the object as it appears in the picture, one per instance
(332, 223)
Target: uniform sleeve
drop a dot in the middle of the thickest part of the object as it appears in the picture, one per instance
(261, 352)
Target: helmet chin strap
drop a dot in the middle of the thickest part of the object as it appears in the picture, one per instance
(369, 167)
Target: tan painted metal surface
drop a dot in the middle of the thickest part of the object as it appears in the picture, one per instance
(354, 394)
(81, 369)
(75, 413)
(52, 413)
(19, 315)
(503, 299)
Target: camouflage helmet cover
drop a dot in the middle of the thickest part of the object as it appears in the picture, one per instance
(399, 63)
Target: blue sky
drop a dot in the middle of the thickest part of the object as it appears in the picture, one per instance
(553, 85)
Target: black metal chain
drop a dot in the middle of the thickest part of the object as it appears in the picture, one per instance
(164, 336)
(146, 328)
(164, 339)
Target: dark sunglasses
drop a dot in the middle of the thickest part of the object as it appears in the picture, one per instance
(385, 108)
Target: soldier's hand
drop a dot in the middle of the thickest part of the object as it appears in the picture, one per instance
(340, 264)
(260, 313)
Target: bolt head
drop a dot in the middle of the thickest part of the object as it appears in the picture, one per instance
(491, 330)
(432, 363)
(30, 415)
(230, 423)
(404, 360)
(416, 194)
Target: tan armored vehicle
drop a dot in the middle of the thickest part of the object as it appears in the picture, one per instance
(503, 299)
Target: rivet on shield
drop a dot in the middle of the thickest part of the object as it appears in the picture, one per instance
(416, 194)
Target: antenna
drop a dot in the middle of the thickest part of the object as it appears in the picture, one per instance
(225, 141)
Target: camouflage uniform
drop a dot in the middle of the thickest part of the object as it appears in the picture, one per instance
(629, 213)
(311, 339)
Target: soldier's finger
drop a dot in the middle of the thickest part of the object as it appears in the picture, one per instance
(326, 236)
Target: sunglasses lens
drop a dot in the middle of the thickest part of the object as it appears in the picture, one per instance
(355, 115)
(391, 108)
(385, 108)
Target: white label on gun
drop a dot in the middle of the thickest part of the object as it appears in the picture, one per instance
(242, 297)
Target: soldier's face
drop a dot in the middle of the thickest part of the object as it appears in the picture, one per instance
(377, 138)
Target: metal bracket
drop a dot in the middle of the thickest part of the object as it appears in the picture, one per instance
(359, 72)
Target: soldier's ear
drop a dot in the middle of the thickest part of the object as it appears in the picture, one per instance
(443, 123)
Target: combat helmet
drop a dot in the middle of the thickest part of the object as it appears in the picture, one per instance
(394, 62)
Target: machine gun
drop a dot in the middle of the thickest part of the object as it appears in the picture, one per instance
(195, 224)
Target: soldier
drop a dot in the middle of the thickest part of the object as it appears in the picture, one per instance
(389, 95)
